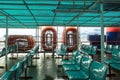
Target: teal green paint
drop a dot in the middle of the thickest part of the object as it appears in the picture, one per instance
(102, 32)
(78, 33)
(6, 43)
(43, 11)
(36, 36)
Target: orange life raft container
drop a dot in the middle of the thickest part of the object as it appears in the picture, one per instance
(113, 35)
(71, 44)
(25, 42)
(49, 39)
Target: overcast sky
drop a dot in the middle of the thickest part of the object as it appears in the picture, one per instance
(84, 31)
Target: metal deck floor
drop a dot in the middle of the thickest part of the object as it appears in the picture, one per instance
(44, 67)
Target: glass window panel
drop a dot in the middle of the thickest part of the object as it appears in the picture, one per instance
(70, 39)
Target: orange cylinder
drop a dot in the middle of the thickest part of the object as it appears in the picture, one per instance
(113, 29)
(70, 31)
(25, 42)
(53, 41)
(113, 35)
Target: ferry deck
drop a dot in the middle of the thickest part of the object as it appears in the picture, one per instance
(60, 40)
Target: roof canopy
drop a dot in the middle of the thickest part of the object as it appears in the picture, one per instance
(34, 13)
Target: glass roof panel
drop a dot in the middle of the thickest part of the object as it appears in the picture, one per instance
(90, 14)
(112, 14)
(66, 14)
(42, 2)
(84, 19)
(11, 1)
(44, 19)
(63, 18)
(42, 7)
(115, 19)
(14, 12)
(42, 12)
(76, 2)
(2, 17)
(11, 7)
(57, 12)
(25, 17)
(28, 20)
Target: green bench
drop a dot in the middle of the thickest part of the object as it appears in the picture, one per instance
(15, 72)
(90, 70)
(114, 62)
(83, 72)
(71, 61)
(62, 51)
(75, 66)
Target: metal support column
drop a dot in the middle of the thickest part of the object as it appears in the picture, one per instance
(56, 44)
(17, 50)
(37, 42)
(102, 31)
(57, 38)
(6, 43)
(36, 35)
(40, 36)
(78, 34)
(65, 35)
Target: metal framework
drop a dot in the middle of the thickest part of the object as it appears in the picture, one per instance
(34, 13)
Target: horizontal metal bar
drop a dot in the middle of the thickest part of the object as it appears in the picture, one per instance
(18, 8)
(75, 10)
(57, 0)
(36, 4)
(42, 15)
(46, 0)
(111, 1)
